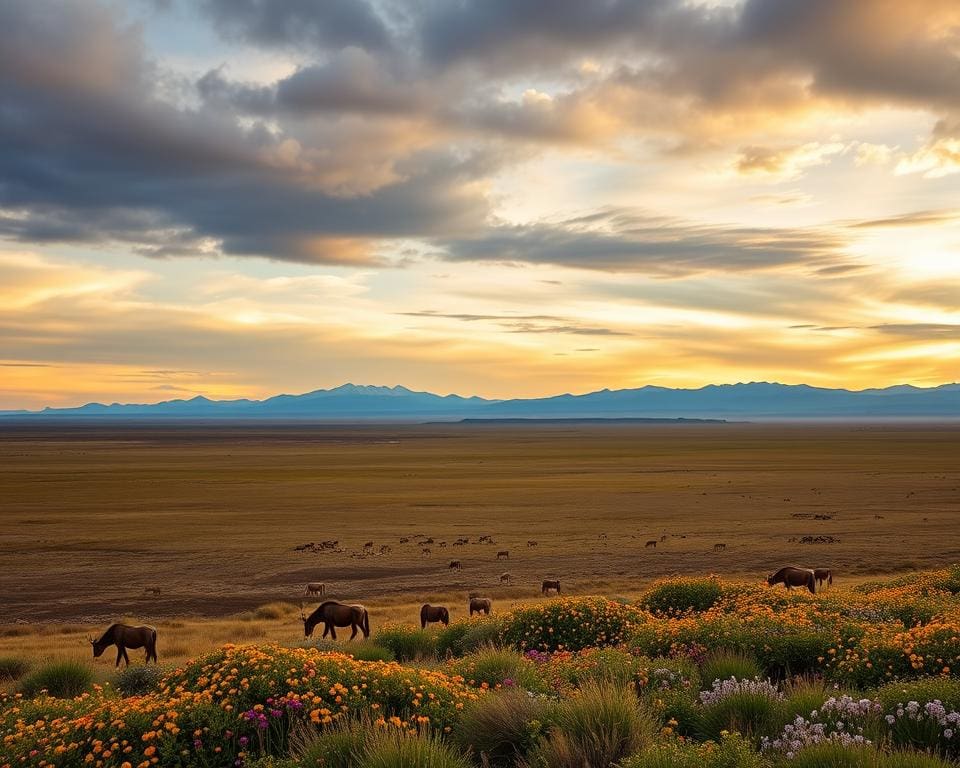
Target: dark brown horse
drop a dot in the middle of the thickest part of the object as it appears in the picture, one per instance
(433, 613)
(823, 575)
(549, 584)
(480, 605)
(333, 615)
(791, 576)
(124, 636)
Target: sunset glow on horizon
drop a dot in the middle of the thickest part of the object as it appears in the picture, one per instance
(506, 198)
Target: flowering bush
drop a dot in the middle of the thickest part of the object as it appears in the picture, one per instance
(677, 596)
(569, 624)
(223, 707)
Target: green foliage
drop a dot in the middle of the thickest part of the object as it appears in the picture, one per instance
(601, 725)
(389, 747)
(833, 755)
(724, 664)
(733, 751)
(450, 639)
(336, 746)
(682, 595)
(370, 651)
(803, 697)
(13, 668)
(569, 624)
(407, 643)
(60, 679)
(944, 689)
(139, 679)
(492, 667)
(503, 726)
(752, 715)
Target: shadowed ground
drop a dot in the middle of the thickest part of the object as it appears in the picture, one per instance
(92, 515)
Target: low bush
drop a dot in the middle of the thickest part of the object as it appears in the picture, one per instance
(599, 726)
(139, 679)
(13, 668)
(733, 751)
(497, 667)
(407, 643)
(752, 708)
(335, 746)
(677, 596)
(60, 679)
(370, 651)
(389, 747)
(569, 624)
(503, 726)
(724, 664)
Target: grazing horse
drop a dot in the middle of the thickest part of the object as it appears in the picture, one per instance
(124, 636)
(432, 613)
(791, 576)
(480, 605)
(532, 542)
(314, 588)
(549, 584)
(425, 551)
(504, 578)
(456, 564)
(823, 575)
(503, 554)
(652, 544)
(333, 615)
(719, 547)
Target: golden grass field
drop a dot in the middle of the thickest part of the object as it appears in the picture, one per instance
(91, 516)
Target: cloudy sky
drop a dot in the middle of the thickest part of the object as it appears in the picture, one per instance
(494, 197)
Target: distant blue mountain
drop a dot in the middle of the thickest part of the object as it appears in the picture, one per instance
(351, 402)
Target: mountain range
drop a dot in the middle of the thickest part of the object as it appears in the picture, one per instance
(352, 402)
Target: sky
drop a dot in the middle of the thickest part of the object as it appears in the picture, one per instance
(508, 198)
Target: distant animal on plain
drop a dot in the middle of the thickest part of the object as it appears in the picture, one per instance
(503, 554)
(550, 584)
(425, 551)
(531, 543)
(333, 615)
(456, 564)
(385, 549)
(719, 547)
(433, 613)
(652, 544)
(504, 578)
(602, 536)
(480, 605)
(124, 636)
(404, 539)
(314, 588)
(485, 540)
(823, 575)
(427, 541)
(368, 545)
(663, 538)
(442, 544)
(791, 576)
(151, 590)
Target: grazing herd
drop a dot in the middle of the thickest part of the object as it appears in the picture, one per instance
(333, 614)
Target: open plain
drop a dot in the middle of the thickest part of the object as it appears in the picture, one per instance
(210, 515)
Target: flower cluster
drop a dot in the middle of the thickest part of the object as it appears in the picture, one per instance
(722, 689)
(805, 733)
(570, 624)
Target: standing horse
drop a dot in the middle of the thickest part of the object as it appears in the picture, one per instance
(549, 584)
(480, 605)
(823, 575)
(433, 613)
(791, 576)
(124, 636)
(314, 588)
(333, 615)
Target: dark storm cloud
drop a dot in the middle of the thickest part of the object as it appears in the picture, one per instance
(631, 243)
(402, 112)
(323, 23)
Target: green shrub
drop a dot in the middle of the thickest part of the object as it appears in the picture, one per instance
(450, 638)
(833, 755)
(682, 595)
(407, 643)
(336, 746)
(140, 679)
(370, 651)
(274, 611)
(914, 760)
(803, 697)
(492, 667)
(60, 679)
(390, 747)
(482, 633)
(733, 751)
(601, 725)
(724, 664)
(750, 708)
(944, 689)
(13, 668)
(503, 726)
(569, 624)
